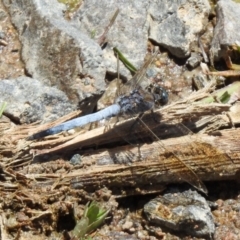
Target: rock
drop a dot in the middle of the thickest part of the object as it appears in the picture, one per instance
(62, 53)
(120, 236)
(29, 100)
(76, 159)
(169, 25)
(186, 212)
(127, 225)
(226, 32)
(194, 60)
(129, 32)
(55, 51)
(176, 25)
(3, 15)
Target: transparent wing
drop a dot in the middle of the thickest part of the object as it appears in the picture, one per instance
(140, 75)
(133, 136)
(135, 81)
(185, 172)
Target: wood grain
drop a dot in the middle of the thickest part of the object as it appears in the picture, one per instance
(210, 157)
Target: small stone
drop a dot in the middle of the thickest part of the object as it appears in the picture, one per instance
(76, 159)
(194, 60)
(127, 225)
(174, 24)
(187, 211)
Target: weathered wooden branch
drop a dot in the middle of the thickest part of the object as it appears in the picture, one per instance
(210, 157)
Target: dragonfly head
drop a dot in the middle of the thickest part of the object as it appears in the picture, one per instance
(160, 94)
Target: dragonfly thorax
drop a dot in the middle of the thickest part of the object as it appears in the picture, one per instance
(134, 103)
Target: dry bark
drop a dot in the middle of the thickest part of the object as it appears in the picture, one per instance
(142, 168)
(210, 157)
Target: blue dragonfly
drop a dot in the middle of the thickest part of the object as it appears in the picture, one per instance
(133, 100)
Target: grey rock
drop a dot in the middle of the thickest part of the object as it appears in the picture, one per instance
(129, 32)
(29, 100)
(226, 32)
(176, 25)
(2, 35)
(76, 159)
(120, 236)
(186, 212)
(3, 15)
(199, 79)
(55, 51)
(194, 60)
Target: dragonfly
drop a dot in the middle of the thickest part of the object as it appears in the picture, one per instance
(132, 100)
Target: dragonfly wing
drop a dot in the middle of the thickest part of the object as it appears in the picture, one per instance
(184, 171)
(135, 81)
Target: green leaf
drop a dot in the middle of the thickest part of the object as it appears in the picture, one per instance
(2, 108)
(223, 94)
(92, 212)
(81, 228)
(95, 215)
(123, 59)
(98, 221)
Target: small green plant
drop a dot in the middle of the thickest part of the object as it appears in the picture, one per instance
(94, 215)
(93, 33)
(2, 108)
(124, 60)
(72, 5)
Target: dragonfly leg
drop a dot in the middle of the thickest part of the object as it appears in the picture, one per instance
(154, 117)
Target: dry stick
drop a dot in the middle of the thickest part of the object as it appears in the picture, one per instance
(102, 38)
(205, 57)
(210, 160)
(157, 167)
(228, 73)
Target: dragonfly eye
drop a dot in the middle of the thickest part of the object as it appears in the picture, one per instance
(163, 97)
(159, 93)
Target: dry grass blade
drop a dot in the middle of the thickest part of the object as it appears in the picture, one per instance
(228, 73)
(102, 39)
